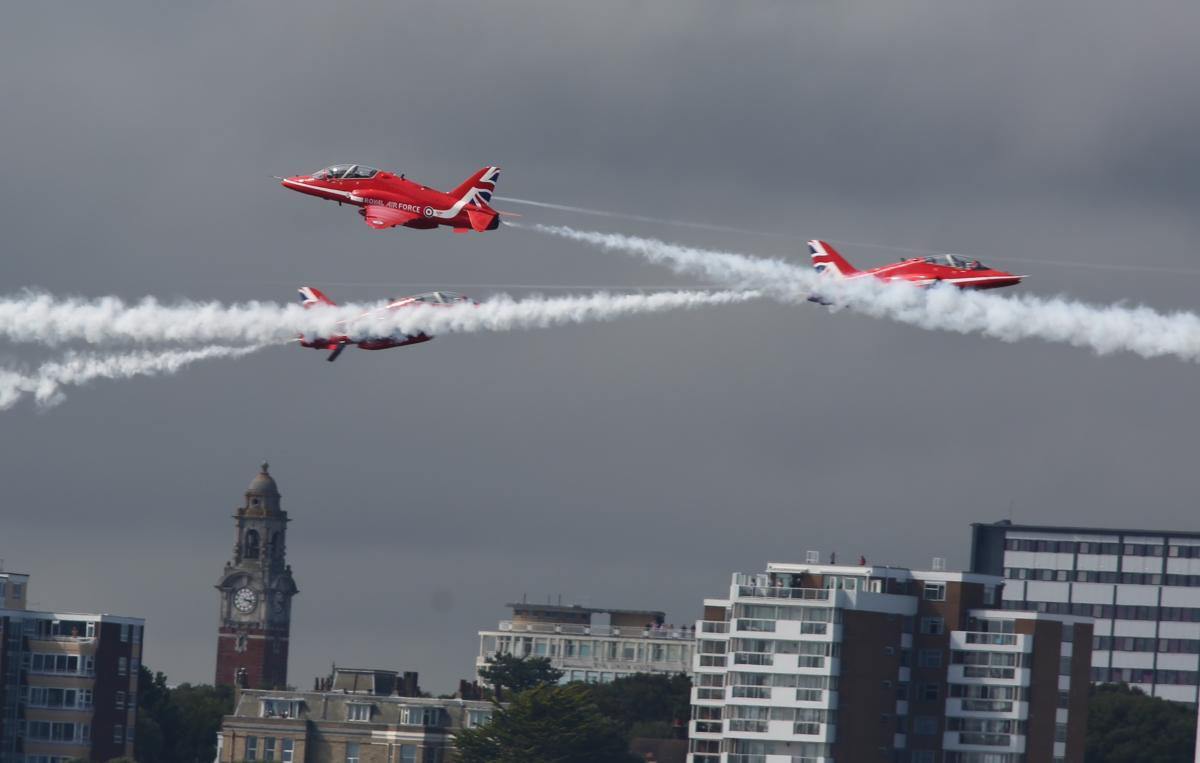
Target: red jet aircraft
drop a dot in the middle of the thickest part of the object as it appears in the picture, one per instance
(388, 200)
(338, 342)
(919, 271)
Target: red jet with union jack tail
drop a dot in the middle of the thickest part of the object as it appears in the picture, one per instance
(919, 271)
(388, 200)
(310, 297)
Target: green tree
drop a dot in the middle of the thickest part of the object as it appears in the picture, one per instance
(178, 725)
(1127, 726)
(546, 724)
(646, 700)
(507, 671)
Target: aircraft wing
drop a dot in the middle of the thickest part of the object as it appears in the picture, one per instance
(380, 217)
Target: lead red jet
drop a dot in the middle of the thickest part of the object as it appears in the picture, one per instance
(310, 297)
(919, 271)
(388, 200)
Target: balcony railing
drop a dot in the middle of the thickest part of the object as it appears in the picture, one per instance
(570, 629)
(746, 725)
(997, 639)
(987, 705)
(710, 692)
(753, 658)
(779, 592)
(810, 661)
(807, 729)
(714, 626)
(989, 740)
(810, 695)
(751, 692)
(712, 660)
(708, 727)
(757, 626)
(978, 671)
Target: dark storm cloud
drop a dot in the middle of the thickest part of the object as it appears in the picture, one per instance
(635, 463)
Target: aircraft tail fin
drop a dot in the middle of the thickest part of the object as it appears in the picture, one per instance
(479, 187)
(827, 260)
(310, 296)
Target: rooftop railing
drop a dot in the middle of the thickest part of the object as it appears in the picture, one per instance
(779, 592)
(623, 631)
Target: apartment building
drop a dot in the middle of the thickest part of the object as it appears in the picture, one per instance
(1140, 587)
(68, 681)
(590, 644)
(817, 663)
(355, 716)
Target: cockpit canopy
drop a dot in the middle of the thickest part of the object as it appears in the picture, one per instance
(346, 172)
(954, 261)
(439, 298)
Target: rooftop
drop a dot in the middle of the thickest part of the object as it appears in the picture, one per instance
(1060, 529)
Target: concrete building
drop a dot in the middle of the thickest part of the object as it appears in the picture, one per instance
(256, 590)
(817, 663)
(1141, 587)
(68, 681)
(354, 716)
(630, 641)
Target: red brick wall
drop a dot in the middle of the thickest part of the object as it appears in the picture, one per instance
(265, 659)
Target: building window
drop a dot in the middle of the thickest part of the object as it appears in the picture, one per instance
(929, 658)
(351, 752)
(122, 666)
(477, 718)
(128, 735)
(935, 591)
(408, 753)
(358, 712)
(924, 756)
(288, 750)
(120, 700)
(251, 551)
(933, 626)
(118, 734)
(925, 726)
(269, 748)
(930, 692)
(124, 632)
(251, 748)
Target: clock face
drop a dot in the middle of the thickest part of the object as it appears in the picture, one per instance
(245, 600)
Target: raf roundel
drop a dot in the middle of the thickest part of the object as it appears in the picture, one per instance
(429, 211)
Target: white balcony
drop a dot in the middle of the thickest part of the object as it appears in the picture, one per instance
(985, 674)
(979, 641)
(978, 741)
(964, 707)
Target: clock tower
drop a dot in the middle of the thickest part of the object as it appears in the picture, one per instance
(256, 590)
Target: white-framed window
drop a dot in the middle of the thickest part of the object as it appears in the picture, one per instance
(137, 634)
(477, 718)
(408, 753)
(280, 708)
(118, 734)
(120, 700)
(85, 732)
(358, 711)
(935, 591)
(351, 752)
(251, 748)
(929, 658)
(933, 626)
(85, 698)
(124, 633)
(122, 666)
(89, 629)
(287, 750)
(269, 748)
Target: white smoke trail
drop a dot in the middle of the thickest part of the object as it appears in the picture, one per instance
(45, 383)
(1103, 329)
(44, 319)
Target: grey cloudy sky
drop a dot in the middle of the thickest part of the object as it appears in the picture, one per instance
(634, 463)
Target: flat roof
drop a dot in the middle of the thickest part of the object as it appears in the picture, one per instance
(1008, 525)
(576, 609)
(84, 616)
(884, 570)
